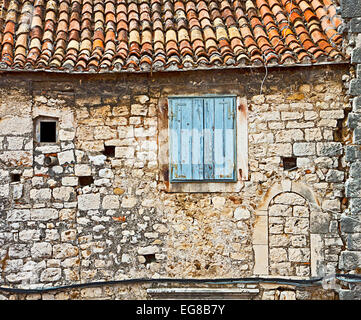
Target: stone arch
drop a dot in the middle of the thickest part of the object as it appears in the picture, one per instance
(260, 238)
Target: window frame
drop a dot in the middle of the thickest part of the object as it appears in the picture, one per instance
(241, 150)
(234, 179)
(37, 126)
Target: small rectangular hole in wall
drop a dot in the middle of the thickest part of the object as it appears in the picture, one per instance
(289, 163)
(15, 177)
(109, 151)
(149, 258)
(47, 131)
(85, 181)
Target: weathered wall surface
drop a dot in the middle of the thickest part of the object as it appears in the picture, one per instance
(56, 231)
(350, 258)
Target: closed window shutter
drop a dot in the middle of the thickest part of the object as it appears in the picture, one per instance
(202, 133)
(186, 145)
(219, 138)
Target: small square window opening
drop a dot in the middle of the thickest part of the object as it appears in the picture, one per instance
(109, 151)
(47, 131)
(289, 163)
(15, 177)
(85, 181)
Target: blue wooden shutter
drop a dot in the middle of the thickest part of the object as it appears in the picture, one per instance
(202, 133)
(219, 138)
(186, 139)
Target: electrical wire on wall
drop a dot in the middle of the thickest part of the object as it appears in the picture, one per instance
(253, 280)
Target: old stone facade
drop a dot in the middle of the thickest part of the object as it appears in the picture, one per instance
(96, 205)
(350, 259)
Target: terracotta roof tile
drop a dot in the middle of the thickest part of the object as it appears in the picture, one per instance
(145, 35)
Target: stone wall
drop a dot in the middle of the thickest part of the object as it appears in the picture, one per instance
(99, 216)
(350, 259)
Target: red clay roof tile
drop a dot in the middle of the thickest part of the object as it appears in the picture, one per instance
(130, 35)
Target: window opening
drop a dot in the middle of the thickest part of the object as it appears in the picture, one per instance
(109, 151)
(47, 131)
(289, 163)
(15, 177)
(85, 181)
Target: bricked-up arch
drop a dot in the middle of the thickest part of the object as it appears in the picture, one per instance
(260, 239)
(289, 235)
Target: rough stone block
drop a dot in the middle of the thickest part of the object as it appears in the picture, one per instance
(299, 254)
(106, 173)
(89, 201)
(104, 133)
(82, 170)
(16, 158)
(329, 149)
(69, 181)
(4, 191)
(65, 250)
(129, 202)
(241, 214)
(126, 132)
(355, 87)
(40, 194)
(289, 135)
(291, 115)
(356, 104)
(19, 251)
(351, 224)
(304, 149)
(43, 214)
(354, 120)
(280, 210)
(350, 8)
(66, 157)
(18, 215)
(355, 25)
(357, 135)
(350, 294)
(335, 176)
(139, 109)
(350, 260)
(331, 205)
(148, 250)
(15, 143)
(63, 193)
(110, 202)
(319, 222)
(354, 241)
(218, 202)
(41, 250)
(124, 152)
(29, 235)
(353, 188)
(68, 235)
(120, 111)
(355, 205)
(280, 149)
(352, 153)
(356, 55)
(332, 114)
(290, 198)
(278, 255)
(50, 274)
(313, 134)
(15, 125)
